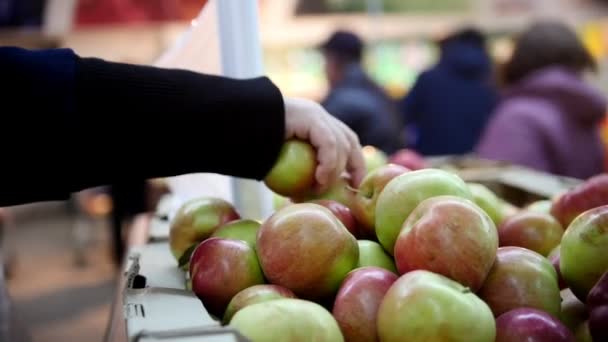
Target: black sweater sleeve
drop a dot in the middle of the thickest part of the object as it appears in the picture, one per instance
(84, 122)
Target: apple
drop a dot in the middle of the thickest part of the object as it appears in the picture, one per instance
(255, 294)
(554, 257)
(425, 306)
(221, 268)
(582, 333)
(340, 191)
(486, 200)
(372, 254)
(409, 159)
(294, 171)
(279, 201)
(598, 295)
(287, 319)
(364, 203)
(542, 206)
(573, 311)
(598, 323)
(403, 194)
(195, 221)
(245, 230)
(584, 246)
(532, 230)
(306, 249)
(451, 236)
(521, 278)
(342, 212)
(373, 157)
(583, 197)
(356, 305)
(507, 210)
(526, 324)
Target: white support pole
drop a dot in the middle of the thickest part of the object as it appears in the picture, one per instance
(241, 56)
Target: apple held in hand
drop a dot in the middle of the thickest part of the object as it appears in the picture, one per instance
(289, 319)
(525, 324)
(255, 294)
(245, 230)
(532, 230)
(486, 200)
(373, 157)
(424, 306)
(451, 236)
(586, 196)
(372, 254)
(195, 221)
(364, 203)
(294, 171)
(221, 268)
(403, 194)
(521, 278)
(356, 305)
(306, 249)
(342, 212)
(584, 251)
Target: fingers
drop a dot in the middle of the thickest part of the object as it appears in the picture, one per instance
(326, 143)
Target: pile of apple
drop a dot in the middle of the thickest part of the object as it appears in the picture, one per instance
(411, 255)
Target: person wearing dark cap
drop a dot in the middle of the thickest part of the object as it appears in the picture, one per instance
(449, 105)
(354, 98)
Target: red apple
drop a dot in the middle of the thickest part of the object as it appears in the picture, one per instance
(554, 257)
(598, 295)
(340, 192)
(451, 236)
(585, 196)
(532, 230)
(374, 158)
(425, 306)
(364, 203)
(221, 268)
(584, 251)
(356, 305)
(525, 324)
(306, 249)
(195, 221)
(342, 212)
(598, 323)
(573, 311)
(255, 294)
(521, 278)
(408, 158)
(403, 194)
(294, 171)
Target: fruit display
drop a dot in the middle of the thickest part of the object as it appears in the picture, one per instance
(410, 254)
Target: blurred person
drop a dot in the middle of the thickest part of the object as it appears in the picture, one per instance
(158, 123)
(449, 105)
(354, 98)
(549, 115)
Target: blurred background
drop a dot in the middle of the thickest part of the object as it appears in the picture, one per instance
(60, 260)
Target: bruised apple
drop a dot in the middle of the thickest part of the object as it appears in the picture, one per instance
(451, 236)
(306, 249)
(364, 203)
(403, 194)
(195, 221)
(294, 171)
(521, 278)
(255, 294)
(584, 251)
(532, 230)
(356, 305)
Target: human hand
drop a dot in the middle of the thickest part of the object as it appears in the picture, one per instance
(338, 147)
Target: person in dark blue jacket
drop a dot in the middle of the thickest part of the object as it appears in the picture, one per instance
(449, 105)
(355, 99)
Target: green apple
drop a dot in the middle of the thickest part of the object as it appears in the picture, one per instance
(486, 200)
(403, 194)
(372, 254)
(425, 306)
(195, 221)
(245, 230)
(294, 171)
(542, 206)
(289, 319)
(255, 294)
(374, 158)
(584, 251)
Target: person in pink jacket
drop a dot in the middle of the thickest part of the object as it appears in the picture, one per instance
(548, 118)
